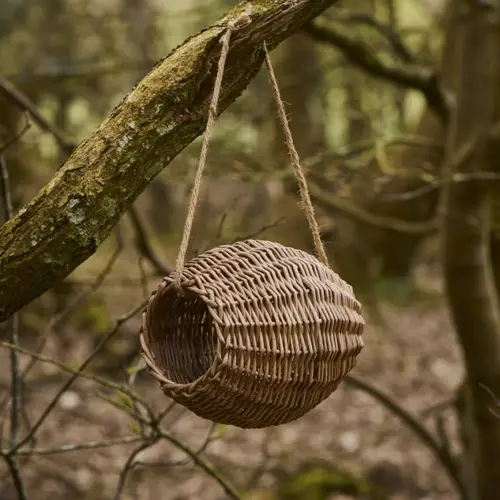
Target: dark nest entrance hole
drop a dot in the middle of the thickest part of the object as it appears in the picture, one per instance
(185, 340)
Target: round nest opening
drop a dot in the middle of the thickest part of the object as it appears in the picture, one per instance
(182, 335)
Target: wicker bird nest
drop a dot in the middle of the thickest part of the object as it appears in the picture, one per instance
(259, 334)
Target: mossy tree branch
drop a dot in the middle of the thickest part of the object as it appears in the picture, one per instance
(70, 217)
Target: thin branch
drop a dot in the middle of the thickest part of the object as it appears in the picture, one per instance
(397, 43)
(438, 407)
(5, 194)
(17, 135)
(131, 375)
(90, 376)
(199, 461)
(217, 239)
(77, 373)
(333, 202)
(361, 55)
(177, 463)
(144, 245)
(166, 411)
(74, 304)
(16, 477)
(418, 429)
(263, 462)
(129, 465)
(259, 231)
(87, 445)
(494, 397)
(16, 381)
(13, 336)
(487, 138)
(25, 104)
(435, 184)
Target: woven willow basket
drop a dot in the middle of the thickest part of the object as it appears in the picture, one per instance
(259, 334)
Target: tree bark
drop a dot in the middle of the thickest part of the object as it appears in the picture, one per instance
(73, 214)
(466, 240)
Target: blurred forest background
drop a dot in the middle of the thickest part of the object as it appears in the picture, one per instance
(367, 88)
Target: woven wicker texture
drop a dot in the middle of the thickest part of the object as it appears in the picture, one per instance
(259, 334)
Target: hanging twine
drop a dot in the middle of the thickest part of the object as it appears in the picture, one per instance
(305, 198)
(242, 20)
(306, 203)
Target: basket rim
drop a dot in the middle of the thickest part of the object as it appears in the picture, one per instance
(166, 284)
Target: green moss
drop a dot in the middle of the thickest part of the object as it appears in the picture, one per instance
(320, 484)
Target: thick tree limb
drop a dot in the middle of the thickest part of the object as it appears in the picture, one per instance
(71, 216)
(405, 75)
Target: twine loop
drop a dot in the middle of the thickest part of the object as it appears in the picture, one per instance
(305, 203)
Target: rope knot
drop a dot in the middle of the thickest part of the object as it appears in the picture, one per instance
(242, 20)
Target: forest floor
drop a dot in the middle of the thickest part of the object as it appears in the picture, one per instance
(410, 353)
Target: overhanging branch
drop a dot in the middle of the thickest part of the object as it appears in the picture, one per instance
(405, 75)
(73, 214)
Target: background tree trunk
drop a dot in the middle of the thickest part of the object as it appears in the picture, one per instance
(466, 242)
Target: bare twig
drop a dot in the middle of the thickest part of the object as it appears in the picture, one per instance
(259, 231)
(75, 371)
(75, 303)
(333, 202)
(442, 433)
(435, 184)
(166, 411)
(13, 336)
(264, 462)
(416, 427)
(199, 461)
(397, 43)
(177, 463)
(16, 477)
(129, 465)
(360, 54)
(16, 381)
(25, 104)
(119, 322)
(438, 407)
(6, 198)
(87, 445)
(217, 239)
(17, 135)
(495, 399)
(462, 156)
(144, 245)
